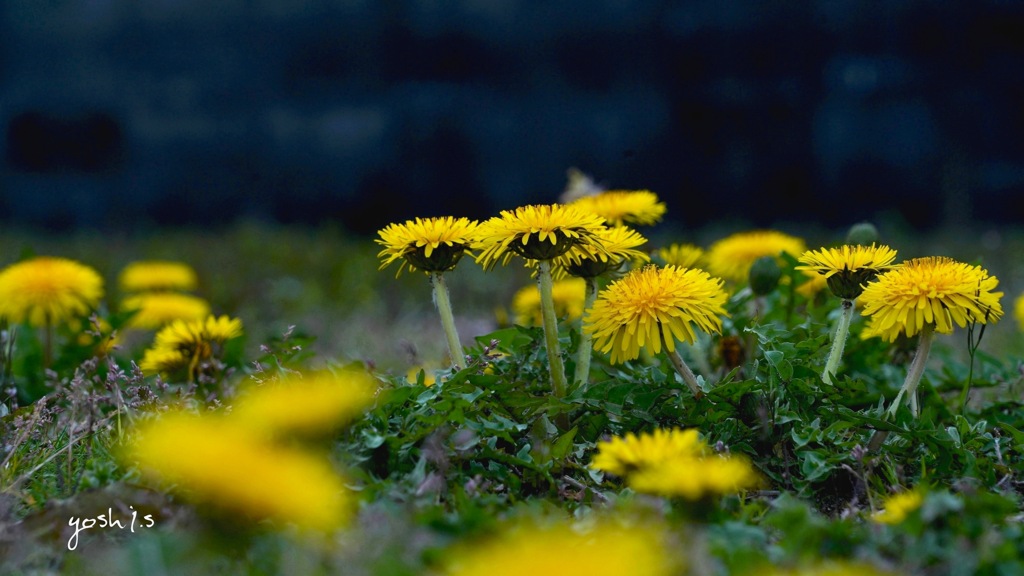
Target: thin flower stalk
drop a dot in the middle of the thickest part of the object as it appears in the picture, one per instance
(835, 354)
(584, 352)
(916, 371)
(559, 385)
(685, 372)
(444, 308)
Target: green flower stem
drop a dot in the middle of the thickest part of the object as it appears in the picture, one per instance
(685, 372)
(924, 346)
(559, 385)
(444, 307)
(585, 350)
(835, 355)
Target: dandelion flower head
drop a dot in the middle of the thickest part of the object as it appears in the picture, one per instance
(156, 275)
(848, 267)
(731, 257)
(624, 455)
(428, 244)
(638, 207)
(537, 232)
(605, 549)
(306, 404)
(618, 244)
(569, 297)
(184, 343)
(215, 462)
(935, 291)
(896, 507)
(156, 309)
(696, 478)
(681, 255)
(651, 306)
(47, 291)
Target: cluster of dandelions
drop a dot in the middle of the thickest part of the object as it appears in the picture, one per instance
(250, 462)
(158, 292)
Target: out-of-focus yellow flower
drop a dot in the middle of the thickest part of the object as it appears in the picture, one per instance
(48, 291)
(849, 267)
(618, 207)
(538, 232)
(568, 295)
(1018, 311)
(428, 244)
(413, 374)
(654, 306)
(731, 257)
(606, 549)
(624, 455)
(896, 507)
(157, 275)
(156, 309)
(681, 255)
(305, 404)
(215, 462)
(936, 291)
(185, 343)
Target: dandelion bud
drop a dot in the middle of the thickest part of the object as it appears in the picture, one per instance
(862, 233)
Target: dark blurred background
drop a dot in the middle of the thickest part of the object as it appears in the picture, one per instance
(133, 113)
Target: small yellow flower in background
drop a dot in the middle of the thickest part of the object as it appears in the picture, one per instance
(184, 343)
(48, 291)
(624, 455)
(934, 291)
(215, 462)
(604, 549)
(156, 309)
(428, 244)
(849, 267)
(681, 255)
(1018, 311)
(413, 374)
(538, 232)
(305, 404)
(654, 306)
(731, 257)
(897, 507)
(674, 463)
(157, 275)
(814, 284)
(618, 244)
(568, 298)
(639, 207)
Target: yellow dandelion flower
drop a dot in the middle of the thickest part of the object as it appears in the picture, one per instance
(568, 294)
(156, 275)
(1018, 310)
(652, 306)
(731, 257)
(935, 291)
(605, 549)
(47, 291)
(618, 244)
(540, 232)
(681, 255)
(156, 309)
(215, 462)
(184, 343)
(412, 375)
(618, 207)
(849, 267)
(624, 455)
(305, 404)
(695, 478)
(896, 507)
(428, 244)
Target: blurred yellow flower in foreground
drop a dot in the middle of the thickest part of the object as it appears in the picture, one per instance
(568, 294)
(308, 404)
(156, 275)
(47, 291)
(605, 549)
(731, 257)
(897, 507)
(1018, 311)
(214, 461)
(156, 309)
(934, 291)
